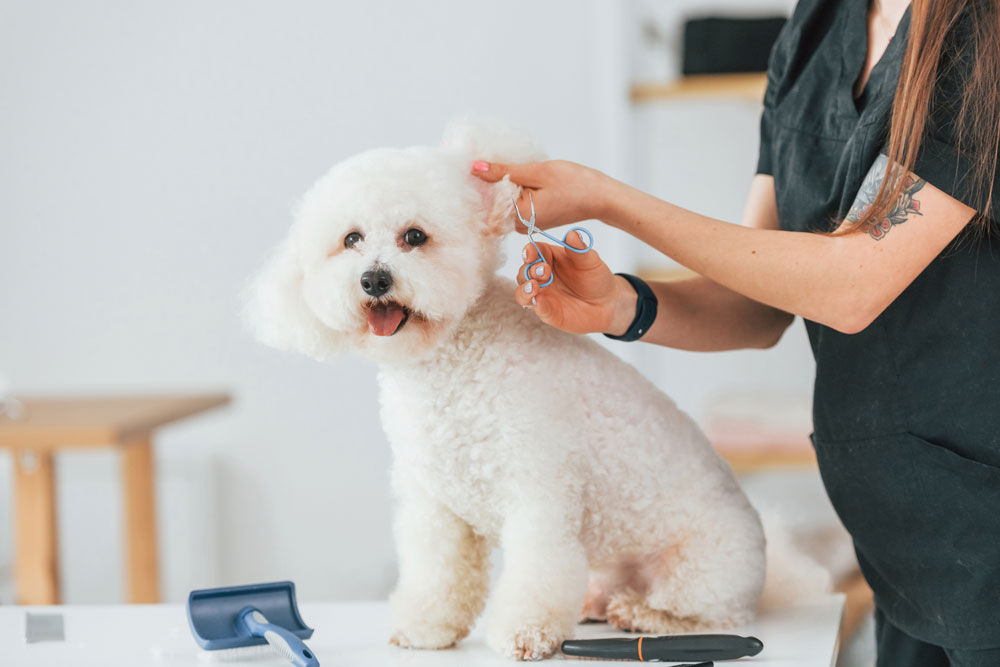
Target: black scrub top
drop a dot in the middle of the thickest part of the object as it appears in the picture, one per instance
(906, 413)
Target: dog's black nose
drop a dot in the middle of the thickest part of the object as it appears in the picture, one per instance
(376, 283)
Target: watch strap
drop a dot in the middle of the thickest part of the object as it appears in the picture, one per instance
(645, 310)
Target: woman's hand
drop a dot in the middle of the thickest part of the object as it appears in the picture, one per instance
(563, 192)
(585, 297)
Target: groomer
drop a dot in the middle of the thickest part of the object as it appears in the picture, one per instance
(872, 217)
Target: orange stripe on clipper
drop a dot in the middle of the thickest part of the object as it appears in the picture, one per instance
(639, 646)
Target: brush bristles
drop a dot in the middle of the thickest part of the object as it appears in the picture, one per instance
(243, 653)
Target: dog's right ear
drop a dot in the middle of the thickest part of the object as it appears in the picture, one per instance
(276, 313)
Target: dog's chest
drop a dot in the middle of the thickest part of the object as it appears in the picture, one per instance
(446, 439)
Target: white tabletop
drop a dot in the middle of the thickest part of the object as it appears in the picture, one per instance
(353, 634)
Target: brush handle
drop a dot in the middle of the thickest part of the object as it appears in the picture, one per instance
(281, 639)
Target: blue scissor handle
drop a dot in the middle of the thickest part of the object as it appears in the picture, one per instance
(541, 258)
(532, 230)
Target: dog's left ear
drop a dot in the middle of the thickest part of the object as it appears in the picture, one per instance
(493, 142)
(498, 202)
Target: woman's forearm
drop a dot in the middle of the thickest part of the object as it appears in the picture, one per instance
(700, 315)
(785, 270)
(800, 273)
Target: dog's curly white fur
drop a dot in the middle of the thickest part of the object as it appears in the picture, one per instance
(606, 499)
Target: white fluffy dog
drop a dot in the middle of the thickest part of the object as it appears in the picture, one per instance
(608, 502)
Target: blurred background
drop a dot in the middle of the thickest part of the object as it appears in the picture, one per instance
(150, 154)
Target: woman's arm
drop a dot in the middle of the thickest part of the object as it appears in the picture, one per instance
(701, 315)
(843, 281)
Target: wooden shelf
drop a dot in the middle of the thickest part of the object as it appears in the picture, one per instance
(745, 87)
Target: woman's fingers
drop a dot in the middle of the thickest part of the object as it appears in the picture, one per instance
(575, 239)
(489, 172)
(540, 272)
(529, 255)
(522, 174)
(532, 273)
(581, 260)
(541, 301)
(526, 292)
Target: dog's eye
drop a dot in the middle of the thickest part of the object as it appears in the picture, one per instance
(351, 239)
(415, 237)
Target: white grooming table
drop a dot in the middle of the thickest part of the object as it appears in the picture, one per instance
(353, 634)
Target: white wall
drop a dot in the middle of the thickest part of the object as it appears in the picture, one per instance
(149, 154)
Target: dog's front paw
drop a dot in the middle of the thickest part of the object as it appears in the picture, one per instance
(418, 623)
(527, 641)
(427, 636)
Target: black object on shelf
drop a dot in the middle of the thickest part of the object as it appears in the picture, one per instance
(718, 45)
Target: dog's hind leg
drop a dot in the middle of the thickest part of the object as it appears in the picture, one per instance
(711, 578)
(600, 585)
(605, 581)
(443, 575)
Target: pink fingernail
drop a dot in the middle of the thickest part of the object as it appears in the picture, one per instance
(479, 165)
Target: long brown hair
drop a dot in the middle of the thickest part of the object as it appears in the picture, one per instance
(932, 53)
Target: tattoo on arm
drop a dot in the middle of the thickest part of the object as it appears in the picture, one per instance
(901, 211)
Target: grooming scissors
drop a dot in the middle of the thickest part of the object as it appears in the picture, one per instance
(532, 230)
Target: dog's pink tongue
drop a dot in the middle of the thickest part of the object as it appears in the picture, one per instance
(384, 319)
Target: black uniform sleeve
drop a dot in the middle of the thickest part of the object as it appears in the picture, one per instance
(764, 154)
(941, 161)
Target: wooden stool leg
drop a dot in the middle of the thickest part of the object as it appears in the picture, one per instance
(36, 562)
(143, 583)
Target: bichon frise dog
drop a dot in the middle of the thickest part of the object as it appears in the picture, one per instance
(607, 501)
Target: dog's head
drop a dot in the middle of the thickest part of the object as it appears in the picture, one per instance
(389, 249)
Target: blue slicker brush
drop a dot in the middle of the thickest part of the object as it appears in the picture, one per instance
(240, 616)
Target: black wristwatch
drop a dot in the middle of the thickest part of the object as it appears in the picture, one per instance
(645, 310)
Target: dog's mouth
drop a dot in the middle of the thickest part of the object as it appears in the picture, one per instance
(386, 318)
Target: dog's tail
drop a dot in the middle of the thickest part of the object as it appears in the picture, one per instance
(792, 576)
